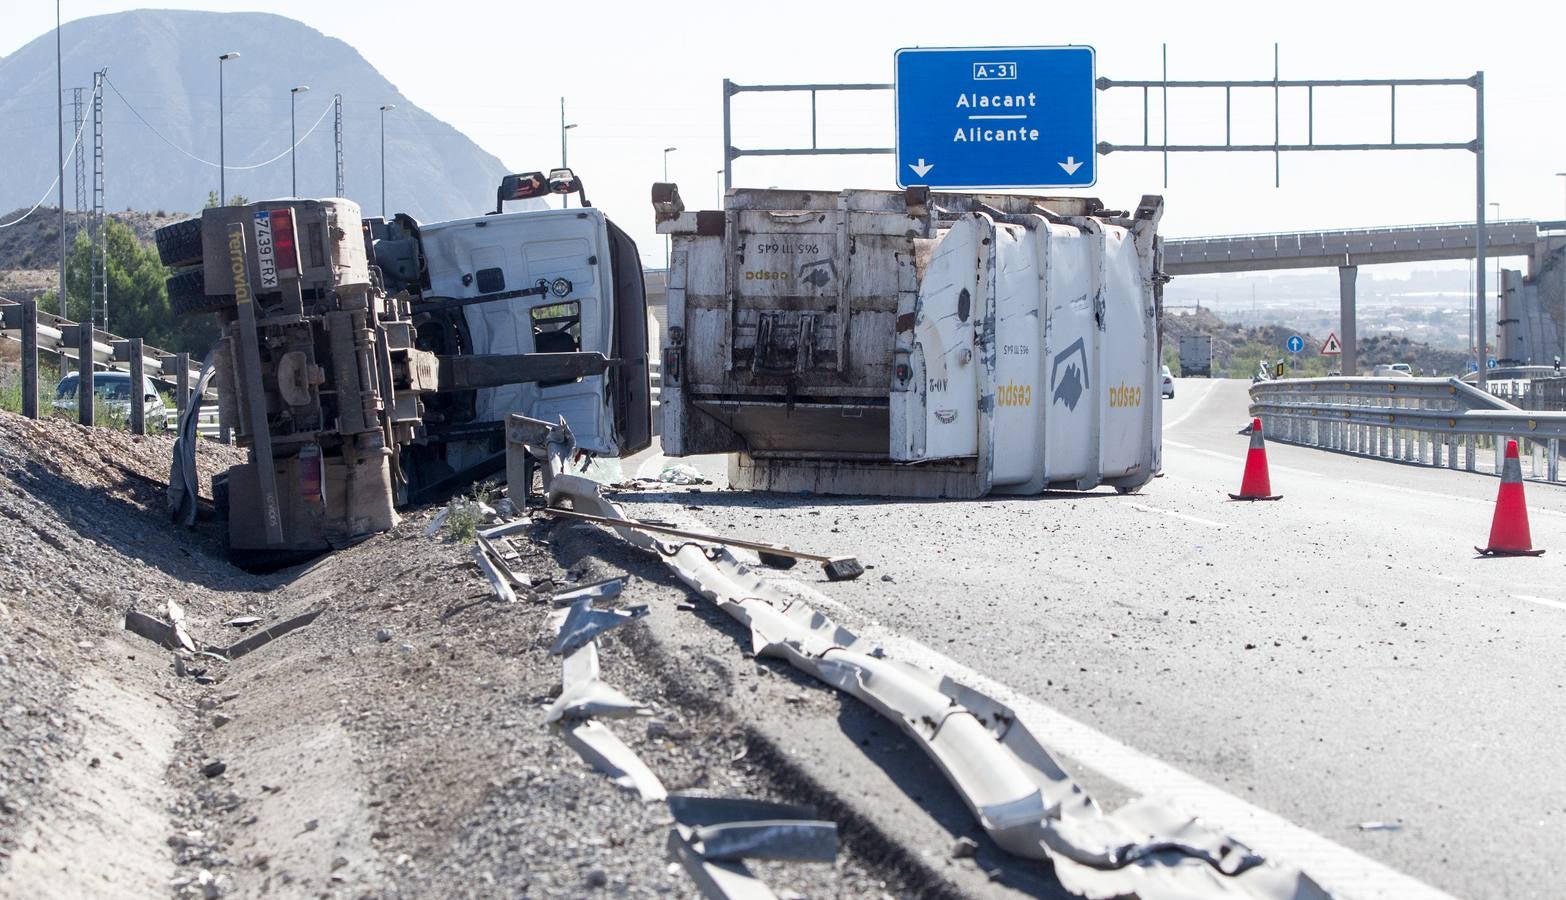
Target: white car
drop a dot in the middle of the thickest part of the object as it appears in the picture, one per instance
(113, 389)
(1393, 370)
(1167, 380)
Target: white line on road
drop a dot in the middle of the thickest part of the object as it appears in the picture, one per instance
(1351, 482)
(1194, 406)
(1542, 601)
(1343, 872)
(1178, 515)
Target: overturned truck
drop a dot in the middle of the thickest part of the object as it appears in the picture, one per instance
(370, 364)
(914, 343)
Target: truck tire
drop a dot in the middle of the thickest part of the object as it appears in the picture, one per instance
(179, 244)
(188, 294)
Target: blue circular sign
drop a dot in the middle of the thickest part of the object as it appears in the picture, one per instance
(1295, 344)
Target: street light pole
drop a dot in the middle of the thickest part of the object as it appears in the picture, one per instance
(565, 199)
(59, 115)
(1501, 351)
(666, 152)
(222, 140)
(384, 108)
(293, 149)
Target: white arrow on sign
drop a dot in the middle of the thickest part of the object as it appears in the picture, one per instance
(1070, 165)
(923, 168)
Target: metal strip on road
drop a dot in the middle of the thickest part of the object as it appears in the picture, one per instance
(1342, 871)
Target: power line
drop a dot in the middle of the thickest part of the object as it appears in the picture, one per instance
(209, 162)
(57, 176)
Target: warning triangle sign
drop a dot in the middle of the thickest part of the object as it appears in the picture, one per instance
(1332, 347)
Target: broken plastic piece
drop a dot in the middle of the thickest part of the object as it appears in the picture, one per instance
(598, 590)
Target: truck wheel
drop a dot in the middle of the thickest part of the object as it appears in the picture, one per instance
(188, 294)
(179, 244)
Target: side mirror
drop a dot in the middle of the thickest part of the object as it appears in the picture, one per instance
(521, 187)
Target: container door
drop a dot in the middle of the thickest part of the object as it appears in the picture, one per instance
(940, 418)
(1019, 395)
(1070, 350)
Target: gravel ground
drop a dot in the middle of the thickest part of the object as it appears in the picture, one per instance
(395, 747)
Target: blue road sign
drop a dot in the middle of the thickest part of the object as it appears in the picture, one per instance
(1491, 363)
(1473, 366)
(1295, 343)
(996, 117)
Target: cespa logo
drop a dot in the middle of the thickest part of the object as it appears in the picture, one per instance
(1125, 395)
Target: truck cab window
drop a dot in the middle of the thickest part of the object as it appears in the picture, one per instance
(557, 328)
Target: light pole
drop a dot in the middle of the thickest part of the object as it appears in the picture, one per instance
(1498, 290)
(565, 199)
(666, 152)
(293, 150)
(384, 108)
(59, 115)
(222, 142)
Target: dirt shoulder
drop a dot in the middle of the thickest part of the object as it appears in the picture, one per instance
(396, 746)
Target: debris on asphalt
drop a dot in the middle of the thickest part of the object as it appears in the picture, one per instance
(964, 848)
(214, 768)
(243, 622)
(270, 633)
(682, 473)
(583, 623)
(712, 836)
(1380, 826)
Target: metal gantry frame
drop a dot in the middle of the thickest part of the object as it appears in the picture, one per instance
(1278, 148)
(731, 152)
(1164, 84)
(337, 133)
(81, 162)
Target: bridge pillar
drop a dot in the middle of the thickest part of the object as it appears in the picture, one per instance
(1349, 361)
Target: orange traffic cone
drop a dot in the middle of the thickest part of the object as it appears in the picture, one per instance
(1256, 485)
(1509, 528)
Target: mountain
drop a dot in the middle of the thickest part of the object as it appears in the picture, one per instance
(165, 66)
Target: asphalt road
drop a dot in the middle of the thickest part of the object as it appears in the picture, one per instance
(1337, 658)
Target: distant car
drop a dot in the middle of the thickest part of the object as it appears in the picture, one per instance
(1168, 382)
(1393, 370)
(114, 390)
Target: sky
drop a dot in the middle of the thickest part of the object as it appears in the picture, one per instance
(640, 77)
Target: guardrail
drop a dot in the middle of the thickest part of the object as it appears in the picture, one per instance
(35, 330)
(1425, 421)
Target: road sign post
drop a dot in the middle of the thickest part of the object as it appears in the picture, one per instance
(1000, 117)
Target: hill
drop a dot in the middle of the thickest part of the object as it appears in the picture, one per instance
(1238, 348)
(164, 63)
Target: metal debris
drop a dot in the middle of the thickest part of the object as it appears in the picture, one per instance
(599, 590)
(1025, 802)
(153, 629)
(177, 622)
(243, 621)
(270, 633)
(437, 522)
(583, 623)
(604, 751)
(491, 570)
(837, 568)
(713, 835)
(584, 696)
(1380, 826)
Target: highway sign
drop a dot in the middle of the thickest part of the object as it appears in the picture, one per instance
(1295, 343)
(995, 117)
(1332, 347)
(1473, 366)
(1491, 364)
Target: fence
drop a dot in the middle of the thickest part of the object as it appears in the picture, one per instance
(23, 323)
(1424, 421)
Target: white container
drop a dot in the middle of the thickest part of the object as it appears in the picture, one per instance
(915, 344)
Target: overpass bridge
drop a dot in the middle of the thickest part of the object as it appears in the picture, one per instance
(1529, 314)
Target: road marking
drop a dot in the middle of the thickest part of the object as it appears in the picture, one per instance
(1351, 482)
(1542, 601)
(1194, 406)
(1178, 515)
(1343, 872)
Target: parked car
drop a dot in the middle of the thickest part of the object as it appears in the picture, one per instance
(1167, 380)
(114, 390)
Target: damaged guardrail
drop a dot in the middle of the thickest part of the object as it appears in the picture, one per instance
(1427, 421)
(1023, 799)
